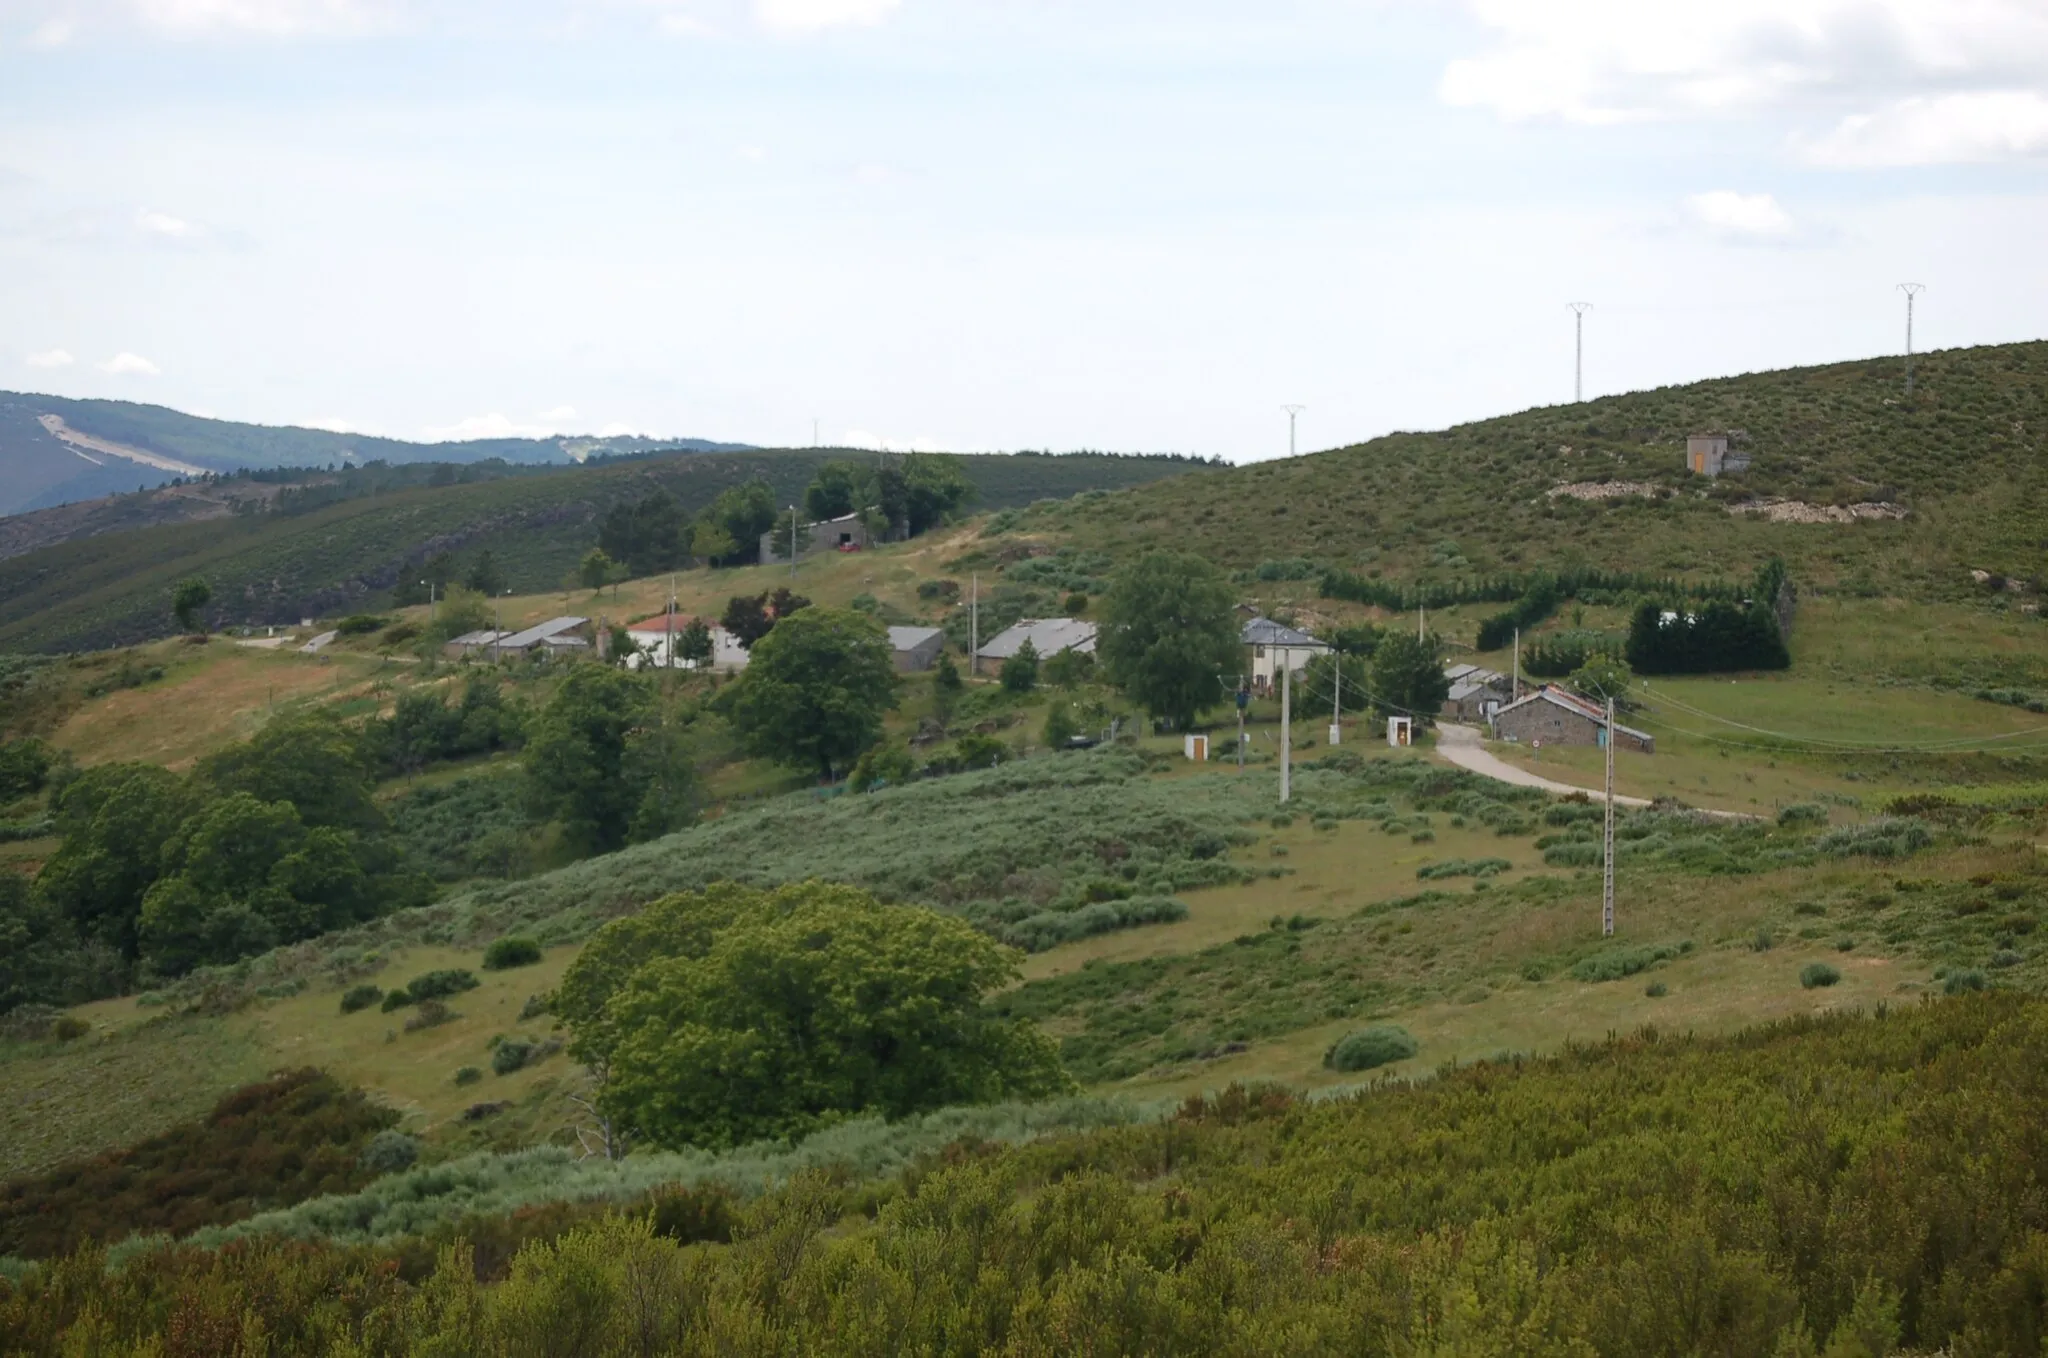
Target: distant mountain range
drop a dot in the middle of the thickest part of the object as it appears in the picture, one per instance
(56, 451)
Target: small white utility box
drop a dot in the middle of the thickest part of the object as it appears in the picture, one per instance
(1197, 748)
(1400, 731)
(1336, 734)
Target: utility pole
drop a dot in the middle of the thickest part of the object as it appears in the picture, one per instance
(1286, 731)
(1292, 411)
(1911, 290)
(1516, 691)
(1607, 888)
(814, 431)
(433, 609)
(1244, 699)
(1421, 616)
(1336, 695)
(668, 631)
(792, 542)
(1579, 310)
(974, 624)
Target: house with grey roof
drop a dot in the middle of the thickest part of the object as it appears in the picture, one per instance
(1048, 637)
(1476, 692)
(1275, 645)
(1557, 716)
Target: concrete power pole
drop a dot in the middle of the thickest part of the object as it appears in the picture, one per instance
(1607, 872)
(1515, 693)
(1336, 696)
(1911, 290)
(792, 542)
(1292, 411)
(1286, 728)
(974, 624)
(1579, 310)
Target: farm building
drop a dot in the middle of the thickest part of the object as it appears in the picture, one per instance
(843, 534)
(653, 636)
(916, 648)
(1476, 693)
(1048, 637)
(554, 636)
(1709, 455)
(1274, 645)
(1557, 716)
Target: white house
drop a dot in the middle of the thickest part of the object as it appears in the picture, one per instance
(1275, 644)
(653, 636)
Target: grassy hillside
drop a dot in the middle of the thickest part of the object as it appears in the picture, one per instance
(1966, 457)
(111, 589)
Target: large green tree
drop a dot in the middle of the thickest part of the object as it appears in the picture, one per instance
(734, 1015)
(1169, 629)
(115, 820)
(606, 761)
(815, 689)
(1408, 675)
(187, 599)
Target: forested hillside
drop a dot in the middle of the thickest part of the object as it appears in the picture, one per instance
(1855, 485)
(269, 567)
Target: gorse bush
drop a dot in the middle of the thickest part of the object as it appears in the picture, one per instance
(360, 997)
(1245, 1225)
(514, 950)
(1818, 975)
(431, 985)
(1618, 963)
(390, 1151)
(1371, 1048)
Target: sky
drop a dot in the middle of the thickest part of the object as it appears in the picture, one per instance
(1140, 225)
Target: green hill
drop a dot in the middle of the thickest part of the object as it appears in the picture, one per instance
(111, 589)
(54, 450)
(1965, 460)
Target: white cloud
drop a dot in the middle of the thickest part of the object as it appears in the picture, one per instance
(273, 18)
(810, 16)
(1909, 81)
(125, 364)
(50, 358)
(491, 426)
(163, 224)
(558, 414)
(862, 438)
(52, 33)
(756, 154)
(1740, 216)
(1951, 129)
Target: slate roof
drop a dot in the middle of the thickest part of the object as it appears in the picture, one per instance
(1266, 632)
(1048, 636)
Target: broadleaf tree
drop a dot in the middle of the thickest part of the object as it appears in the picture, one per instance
(1169, 630)
(815, 689)
(735, 1015)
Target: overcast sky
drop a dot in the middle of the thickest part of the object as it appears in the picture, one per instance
(997, 224)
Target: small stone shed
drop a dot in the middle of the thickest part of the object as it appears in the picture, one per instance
(1558, 716)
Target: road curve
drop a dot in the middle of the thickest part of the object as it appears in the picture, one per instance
(1461, 746)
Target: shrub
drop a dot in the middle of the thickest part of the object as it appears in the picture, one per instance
(1803, 813)
(1887, 837)
(69, 1028)
(1962, 982)
(360, 624)
(1656, 990)
(267, 1145)
(432, 1014)
(1463, 867)
(514, 950)
(468, 1075)
(1076, 604)
(395, 999)
(434, 985)
(1619, 963)
(1817, 975)
(511, 1054)
(535, 1006)
(1370, 1048)
(360, 997)
(390, 1152)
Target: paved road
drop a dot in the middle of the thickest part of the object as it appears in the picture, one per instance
(1461, 745)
